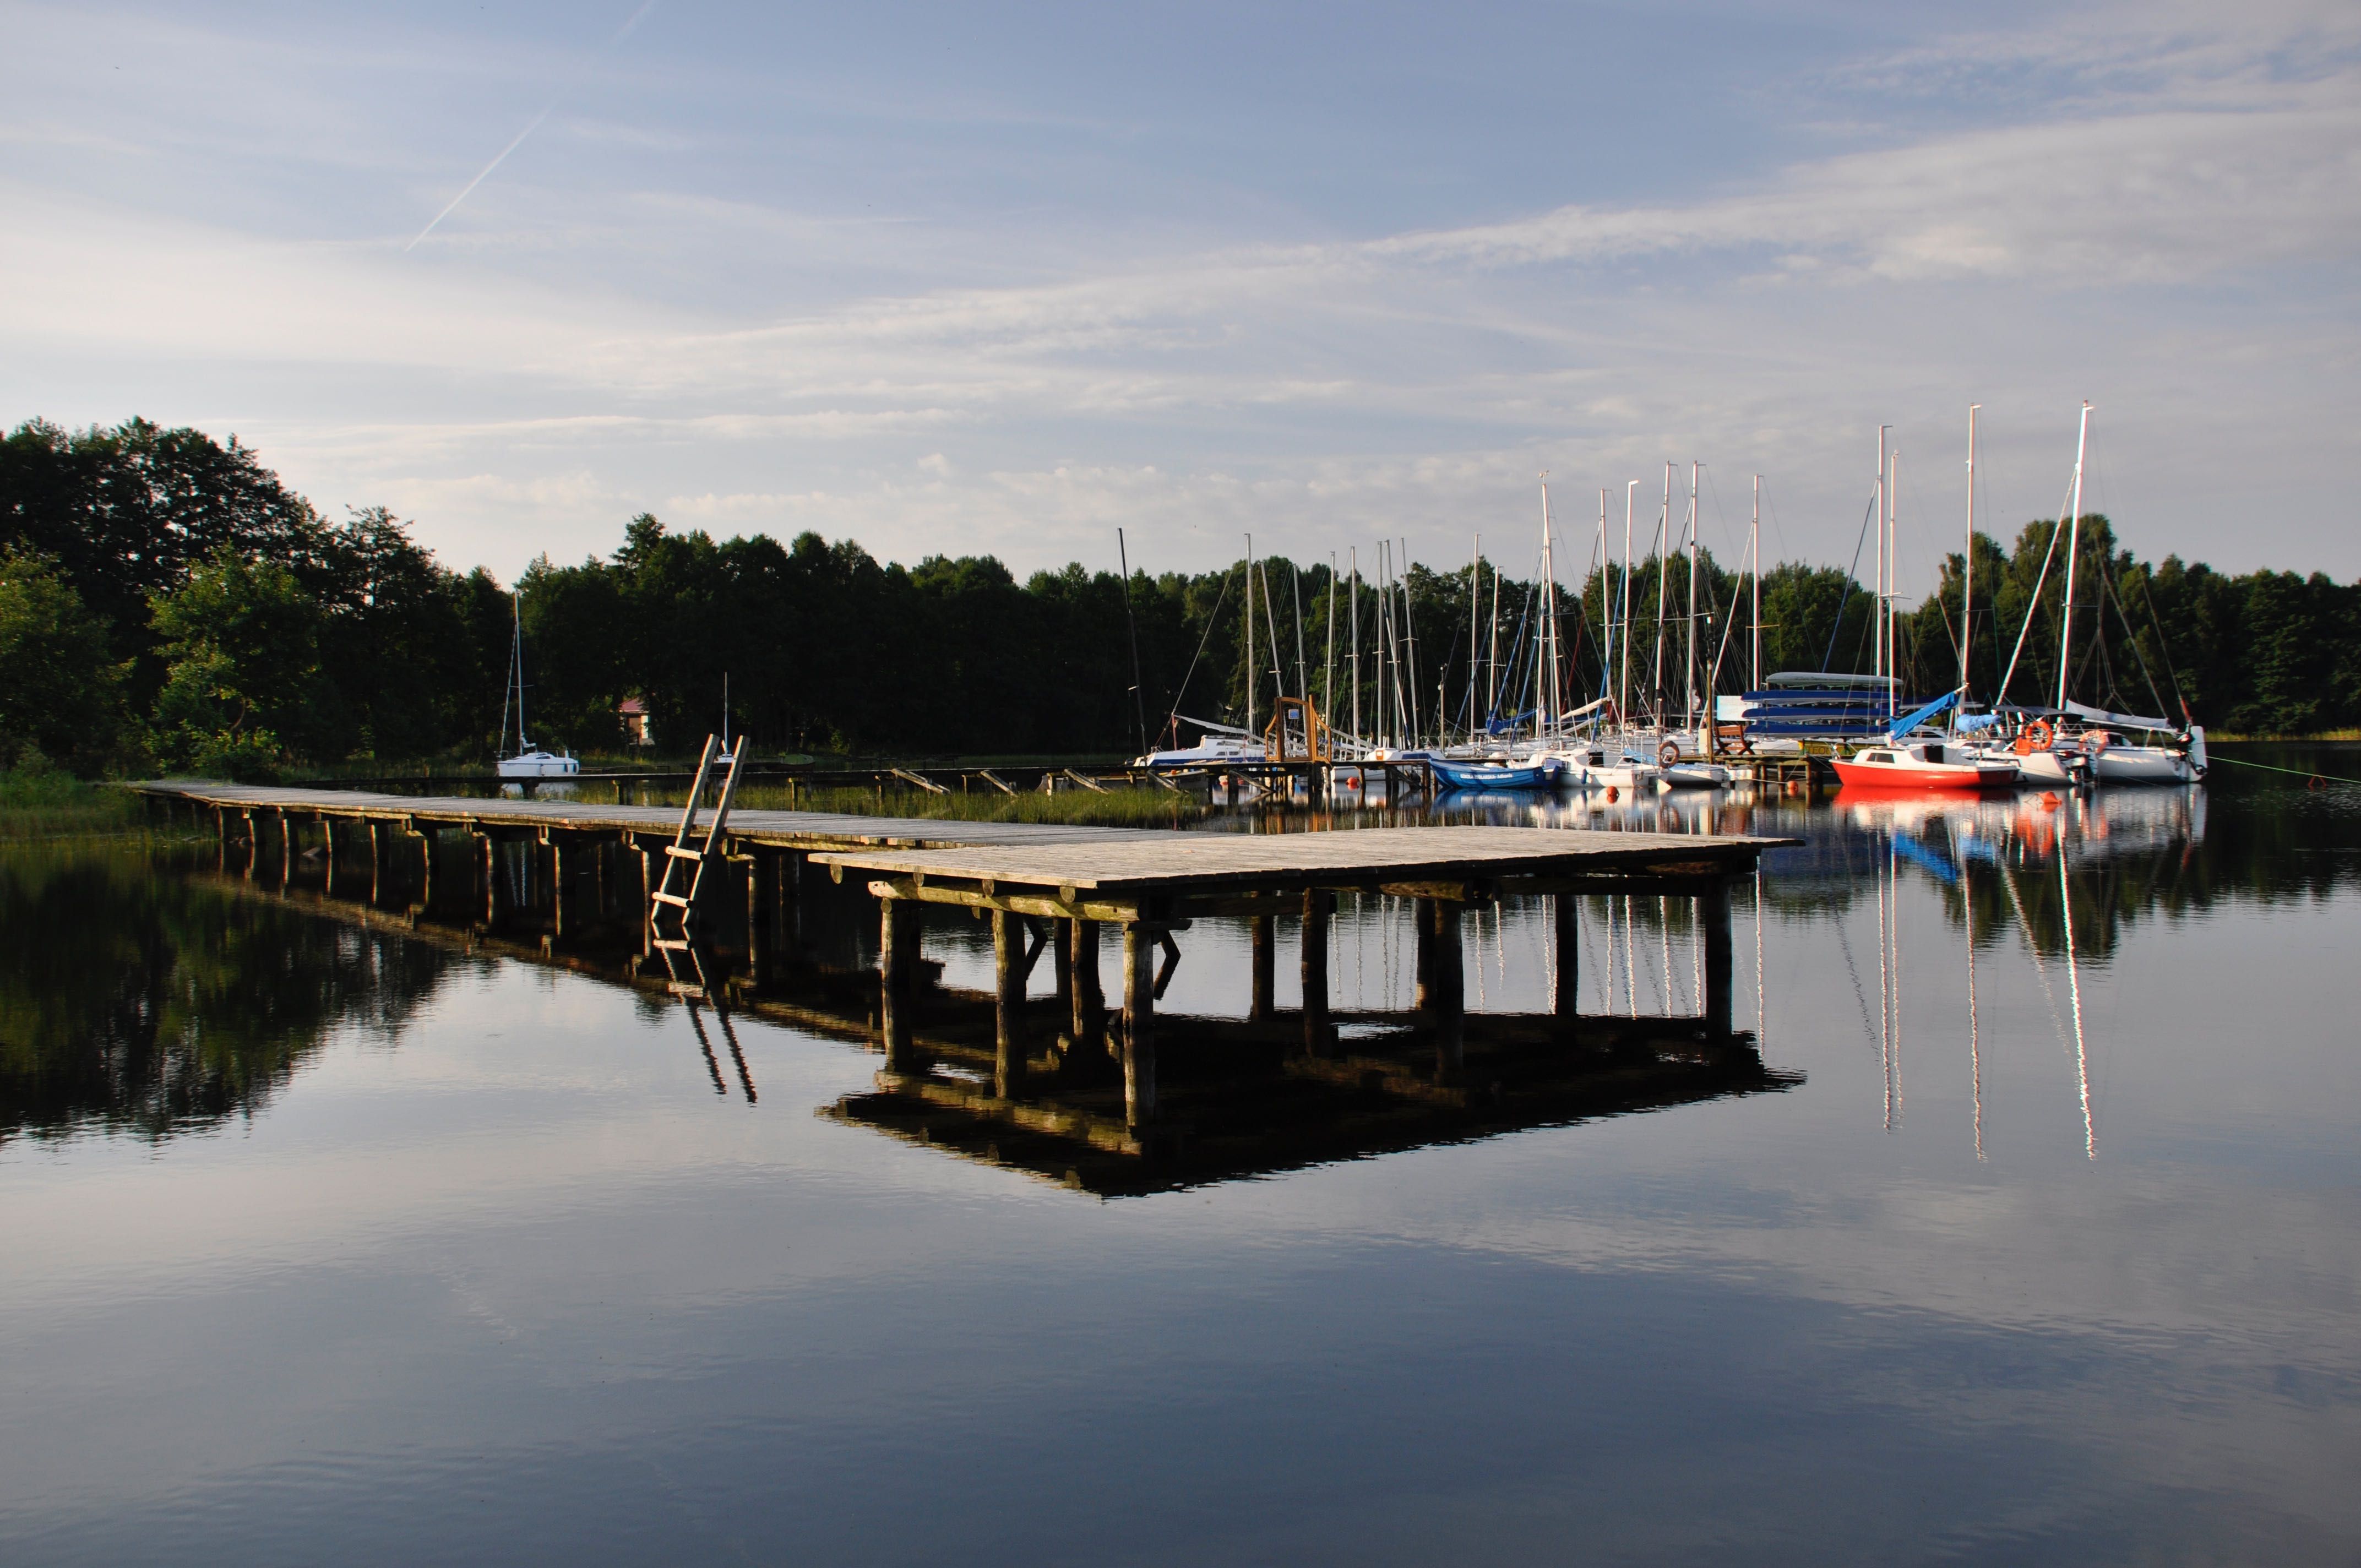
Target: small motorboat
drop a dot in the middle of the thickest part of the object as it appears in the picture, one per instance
(1924, 765)
(1540, 775)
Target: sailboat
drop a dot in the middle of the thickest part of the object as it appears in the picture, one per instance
(530, 761)
(2074, 741)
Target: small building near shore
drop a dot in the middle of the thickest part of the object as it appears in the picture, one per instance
(632, 713)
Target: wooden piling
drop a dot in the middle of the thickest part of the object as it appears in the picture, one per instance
(1086, 999)
(897, 961)
(1008, 996)
(1265, 967)
(1713, 912)
(1566, 913)
(1317, 902)
(1448, 987)
(1138, 1024)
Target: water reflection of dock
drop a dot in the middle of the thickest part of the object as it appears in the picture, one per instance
(1240, 1100)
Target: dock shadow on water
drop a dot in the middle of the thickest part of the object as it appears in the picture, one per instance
(1974, 1181)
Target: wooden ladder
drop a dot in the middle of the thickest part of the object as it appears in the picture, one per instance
(678, 851)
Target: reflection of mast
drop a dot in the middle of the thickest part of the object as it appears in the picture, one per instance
(1758, 954)
(1975, 1046)
(2074, 987)
(1885, 991)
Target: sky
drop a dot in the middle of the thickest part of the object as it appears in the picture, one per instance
(955, 280)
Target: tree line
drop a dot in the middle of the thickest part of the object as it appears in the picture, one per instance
(166, 604)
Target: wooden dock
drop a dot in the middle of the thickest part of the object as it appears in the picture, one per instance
(1153, 887)
(1044, 887)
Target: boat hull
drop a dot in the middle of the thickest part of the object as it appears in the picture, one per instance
(2141, 766)
(1494, 776)
(1924, 775)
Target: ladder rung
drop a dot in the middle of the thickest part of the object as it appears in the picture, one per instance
(669, 945)
(682, 989)
(670, 898)
(680, 854)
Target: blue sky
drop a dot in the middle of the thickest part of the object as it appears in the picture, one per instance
(950, 279)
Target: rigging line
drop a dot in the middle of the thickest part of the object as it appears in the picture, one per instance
(1210, 620)
(2163, 648)
(2116, 597)
(1851, 582)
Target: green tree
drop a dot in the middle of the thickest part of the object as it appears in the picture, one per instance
(62, 695)
(242, 689)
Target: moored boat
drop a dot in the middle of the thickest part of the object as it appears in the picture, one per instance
(1537, 775)
(1923, 765)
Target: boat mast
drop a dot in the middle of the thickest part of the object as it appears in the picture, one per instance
(1250, 663)
(1474, 600)
(1606, 607)
(1663, 543)
(1877, 643)
(1689, 709)
(516, 676)
(1968, 575)
(1410, 646)
(2074, 548)
(1547, 688)
(1893, 584)
(1492, 662)
(1353, 604)
(1328, 662)
(1754, 570)
(1623, 683)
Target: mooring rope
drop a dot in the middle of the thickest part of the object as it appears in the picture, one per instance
(2313, 780)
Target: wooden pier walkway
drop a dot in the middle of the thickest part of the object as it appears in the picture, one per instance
(1043, 887)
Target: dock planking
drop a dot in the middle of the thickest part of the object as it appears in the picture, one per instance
(804, 830)
(1119, 871)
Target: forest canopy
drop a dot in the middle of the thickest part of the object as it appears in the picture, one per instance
(166, 603)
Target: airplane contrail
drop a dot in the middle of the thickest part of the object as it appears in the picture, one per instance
(479, 179)
(619, 34)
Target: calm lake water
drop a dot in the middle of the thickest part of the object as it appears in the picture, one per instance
(328, 1240)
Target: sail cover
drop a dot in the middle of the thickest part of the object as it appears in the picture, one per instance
(2120, 720)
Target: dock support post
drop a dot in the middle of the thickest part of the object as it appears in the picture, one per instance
(328, 857)
(1316, 904)
(1061, 965)
(761, 903)
(1447, 980)
(1266, 967)
(647, 906)
(1008, 1010)
(1088, 1000)
(1422, 917)
(487, 859)
(425, 866)
(558, 886)
(1713, 912)
(1568, 916)
(1138, 1024)
(286, 850)
(897, 961)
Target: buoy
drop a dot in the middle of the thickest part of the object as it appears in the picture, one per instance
(2049, 799)
(1610, 791)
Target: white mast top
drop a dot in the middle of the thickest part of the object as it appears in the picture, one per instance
(2074, 548)
(1968, 576)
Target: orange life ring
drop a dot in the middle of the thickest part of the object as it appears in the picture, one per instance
(2096, 741)
(2035, 737)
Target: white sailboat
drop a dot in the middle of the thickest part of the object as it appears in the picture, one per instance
(2081, 742)
(529, 761)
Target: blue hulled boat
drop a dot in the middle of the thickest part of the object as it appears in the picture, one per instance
(1496, 775)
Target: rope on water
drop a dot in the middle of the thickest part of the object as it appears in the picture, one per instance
(2311, 778)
